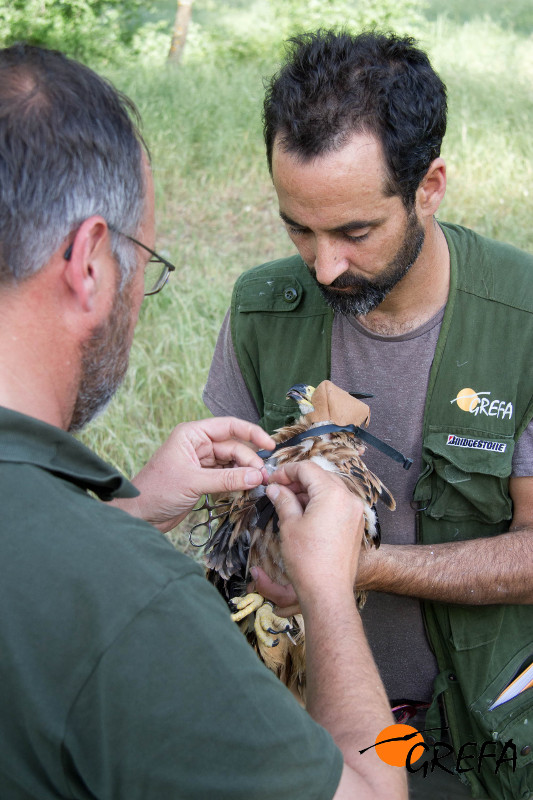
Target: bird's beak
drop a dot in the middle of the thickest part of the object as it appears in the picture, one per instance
(302, 393)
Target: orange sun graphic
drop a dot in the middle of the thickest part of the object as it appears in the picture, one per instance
(395, 752)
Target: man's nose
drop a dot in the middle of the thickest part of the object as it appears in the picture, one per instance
(330, 260)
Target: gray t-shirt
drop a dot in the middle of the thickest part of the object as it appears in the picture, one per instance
(395, 369)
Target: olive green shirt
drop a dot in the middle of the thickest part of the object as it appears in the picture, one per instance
(121, 673)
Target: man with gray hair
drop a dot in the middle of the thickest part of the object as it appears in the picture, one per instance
(121, 673)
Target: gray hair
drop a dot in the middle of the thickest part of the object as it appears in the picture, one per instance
(69, 148)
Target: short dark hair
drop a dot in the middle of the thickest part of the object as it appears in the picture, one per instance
(335, 84)
(69, 148)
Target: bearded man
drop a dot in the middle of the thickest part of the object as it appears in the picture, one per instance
(434, 322)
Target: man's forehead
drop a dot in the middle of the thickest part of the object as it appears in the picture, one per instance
(359, 147)
(337, 188)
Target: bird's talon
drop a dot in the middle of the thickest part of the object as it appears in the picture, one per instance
(288, 628)
(268, 623)
(245, 605)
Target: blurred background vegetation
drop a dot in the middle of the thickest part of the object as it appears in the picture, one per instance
(216, 208)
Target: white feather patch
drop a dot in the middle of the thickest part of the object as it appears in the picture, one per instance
(324, 463)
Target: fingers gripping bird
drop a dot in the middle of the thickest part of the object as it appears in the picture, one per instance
(248, 535)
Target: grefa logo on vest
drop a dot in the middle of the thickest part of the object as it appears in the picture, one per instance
(480, 403)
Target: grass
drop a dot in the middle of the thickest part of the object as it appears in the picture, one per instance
(487, 147)
(217, 213)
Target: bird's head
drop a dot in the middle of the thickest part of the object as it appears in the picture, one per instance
(302, 393)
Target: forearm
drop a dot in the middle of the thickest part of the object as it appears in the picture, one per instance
(475, 572)
(346, 696)
(344, 690)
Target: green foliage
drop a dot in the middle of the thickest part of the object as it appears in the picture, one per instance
(85, 29)
(257, 29)
(488, 148)
(150, 44)
(514, 15)
(301, 15)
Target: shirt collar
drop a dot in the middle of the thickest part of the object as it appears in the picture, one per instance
(28, 440)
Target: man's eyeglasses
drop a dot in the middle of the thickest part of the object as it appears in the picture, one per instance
(157, 270)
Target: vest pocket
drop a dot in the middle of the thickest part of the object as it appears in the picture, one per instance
(466, 476)
(504, 735)
(512, 720)
(277, 415)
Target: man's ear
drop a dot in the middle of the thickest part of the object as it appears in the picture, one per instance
(87, 265)
(430, 193)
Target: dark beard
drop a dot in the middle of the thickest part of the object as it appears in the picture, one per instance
(365, 294)
(104, 363)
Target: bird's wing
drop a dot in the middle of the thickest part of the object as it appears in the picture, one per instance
(226, 551)
(366, 482)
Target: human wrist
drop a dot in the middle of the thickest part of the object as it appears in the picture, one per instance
(338, 599)
(371, 569)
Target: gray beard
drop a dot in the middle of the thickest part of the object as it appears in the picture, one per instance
(104, 364)
(365, 295)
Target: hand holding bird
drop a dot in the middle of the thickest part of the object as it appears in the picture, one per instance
(317, 559)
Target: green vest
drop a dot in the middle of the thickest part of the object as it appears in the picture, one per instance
(479, 401)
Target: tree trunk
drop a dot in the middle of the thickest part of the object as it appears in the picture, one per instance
(179, 33)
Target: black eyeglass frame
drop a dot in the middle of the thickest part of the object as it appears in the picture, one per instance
(156, 259)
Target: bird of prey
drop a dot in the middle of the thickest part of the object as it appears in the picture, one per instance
(248, 534)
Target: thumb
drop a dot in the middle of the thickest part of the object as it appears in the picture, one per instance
(284, 501)
(234, 479)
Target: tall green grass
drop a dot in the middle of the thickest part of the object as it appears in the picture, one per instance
(217, 212)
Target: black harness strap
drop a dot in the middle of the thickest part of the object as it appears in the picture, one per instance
(331, 428)
(266, 511)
